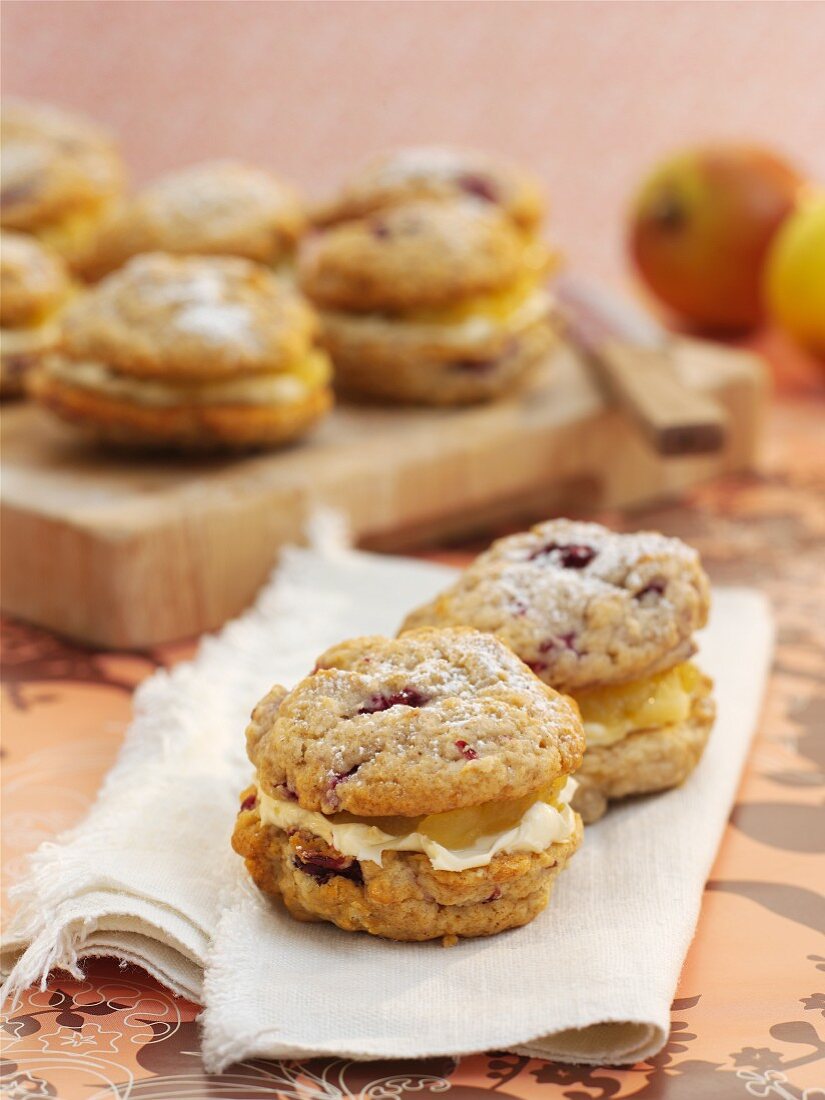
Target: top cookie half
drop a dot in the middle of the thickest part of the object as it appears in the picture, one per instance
(436, 172)
(33, 280)
(433, 721)
(55, 166)
(189, 317)
(580, 604)
(412, 256)
(220, 208)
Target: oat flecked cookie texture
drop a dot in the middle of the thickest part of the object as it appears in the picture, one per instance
(610, 619)
(189, 353)
(220, 208)
(34, 288)
(397, 759)
(436, 172)
(429, 302)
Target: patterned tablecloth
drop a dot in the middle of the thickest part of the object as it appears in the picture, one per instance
(747, 1017)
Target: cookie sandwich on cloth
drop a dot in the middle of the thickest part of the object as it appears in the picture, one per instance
(438, 303)
(35, 287)
(191, 353)
(436, 172)
(61, 176)
(220, 208)
(415, 788)
(608, 619)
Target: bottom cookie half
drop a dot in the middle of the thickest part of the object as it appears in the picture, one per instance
(180, 427)
(371, 360)
(404, 898)
(645, 761)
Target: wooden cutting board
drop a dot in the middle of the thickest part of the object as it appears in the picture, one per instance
(129, 552)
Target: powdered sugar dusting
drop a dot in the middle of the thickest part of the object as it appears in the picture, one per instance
(580, 604)
(422, 163)
(22, 162)
(219, 324)
(215, 198)
(201, 286)
(616, 559)
(461, 674)
(196, 299)
(429, 721)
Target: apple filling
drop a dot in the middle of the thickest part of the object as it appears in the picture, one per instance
(611, 712)
(74, 234)
(304, 376)
(525, 300)
(453, 841)
(37, 336)
(39, 330)
(499, 306)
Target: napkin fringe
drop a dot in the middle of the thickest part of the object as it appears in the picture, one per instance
(57, 870)
(49, 950)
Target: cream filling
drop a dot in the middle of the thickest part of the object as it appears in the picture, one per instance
(540, 826)
(283, 388)
(74, 233)
(474, 330)
(601, 734)
(28, 338)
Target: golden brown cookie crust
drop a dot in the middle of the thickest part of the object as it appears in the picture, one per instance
(34, 287)
(184, 427)
(647, 761)
(433, 721)
(23, 351)
(34, 281)
(582, 605)
(190, 317)
(369, 363)
(475, 334)
(219, 208)
(54, 165)
(410, 256)
(404, 898)
(436, 172)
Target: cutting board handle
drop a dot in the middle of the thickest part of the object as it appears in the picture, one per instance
(634, 359)
(675, 419)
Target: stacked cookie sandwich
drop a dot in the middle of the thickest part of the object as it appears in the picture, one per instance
(415, 788)
(188, 353)
(609, 619)
(430, 302)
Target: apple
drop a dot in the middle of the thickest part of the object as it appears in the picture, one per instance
(700, 229)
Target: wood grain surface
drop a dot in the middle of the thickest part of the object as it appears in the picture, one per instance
(127, 551)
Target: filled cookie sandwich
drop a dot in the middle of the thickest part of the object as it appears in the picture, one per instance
(61, 176)
(436, 172)
(608, 619)
(220, 208)
(35, 287)
(438, 303)
(191, 353)
(413, 788)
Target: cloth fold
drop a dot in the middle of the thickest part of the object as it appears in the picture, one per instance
(149, 875)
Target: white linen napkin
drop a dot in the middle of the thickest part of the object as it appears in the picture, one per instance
(149, 875)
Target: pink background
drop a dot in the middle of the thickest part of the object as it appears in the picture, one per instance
(589, 94)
